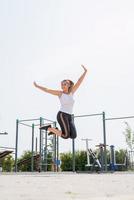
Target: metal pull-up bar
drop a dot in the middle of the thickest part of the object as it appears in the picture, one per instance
(4, 133)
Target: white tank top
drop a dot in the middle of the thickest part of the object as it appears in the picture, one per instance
(67, 103)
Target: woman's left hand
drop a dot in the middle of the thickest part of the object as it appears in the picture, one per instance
(84, 68)
(35, 84)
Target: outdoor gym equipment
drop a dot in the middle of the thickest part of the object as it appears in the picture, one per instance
(43, 142)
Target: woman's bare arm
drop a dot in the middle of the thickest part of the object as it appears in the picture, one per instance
(44, 89)
(78, 83)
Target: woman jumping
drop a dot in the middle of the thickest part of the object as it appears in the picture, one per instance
(64, 116)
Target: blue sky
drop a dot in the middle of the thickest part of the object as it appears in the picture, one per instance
(47, 41)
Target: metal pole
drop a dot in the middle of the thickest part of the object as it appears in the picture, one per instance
(57, 145)
(36, 143)
(112, 158)
(73, 150)
(4, 133)
(87, 148)
(116, 118)
(104, 138)
(28, 120)
(101, 157)
(16, 144)
(91, 115)
(40, 145)
(32, 158)
(45, 153)
(55, 153)
(7, 148)
(88, 160)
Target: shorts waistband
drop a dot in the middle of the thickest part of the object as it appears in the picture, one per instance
(65, 113)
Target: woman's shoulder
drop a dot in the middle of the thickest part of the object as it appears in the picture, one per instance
(60, 94)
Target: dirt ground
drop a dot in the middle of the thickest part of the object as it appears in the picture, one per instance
(66, 186)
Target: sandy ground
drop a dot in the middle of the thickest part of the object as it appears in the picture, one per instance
(67, 186)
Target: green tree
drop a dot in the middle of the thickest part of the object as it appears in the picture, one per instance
(24, 162)
(8, 163)
(81, 160)
(121, 159)
(129, 136)
(66, 161)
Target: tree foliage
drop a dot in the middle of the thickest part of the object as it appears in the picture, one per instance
(8, 163)
(24, 162)
(129, 136)
(25, 166)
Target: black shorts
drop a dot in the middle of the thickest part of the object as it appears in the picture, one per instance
(67, 125)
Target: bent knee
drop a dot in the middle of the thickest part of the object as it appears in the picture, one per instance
(65, 137)
(73, 137)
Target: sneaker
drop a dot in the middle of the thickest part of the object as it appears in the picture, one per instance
(45, 127)
(50, 133)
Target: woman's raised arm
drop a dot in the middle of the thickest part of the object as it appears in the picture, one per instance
(78, 83)
(44, 89)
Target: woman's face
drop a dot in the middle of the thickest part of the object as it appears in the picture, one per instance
(65, 85)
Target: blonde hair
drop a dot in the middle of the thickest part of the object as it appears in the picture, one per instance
(71, 85)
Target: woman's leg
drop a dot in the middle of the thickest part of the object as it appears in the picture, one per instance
(63, 120)
(73, 132)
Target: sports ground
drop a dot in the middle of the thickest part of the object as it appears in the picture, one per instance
(66, 186)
